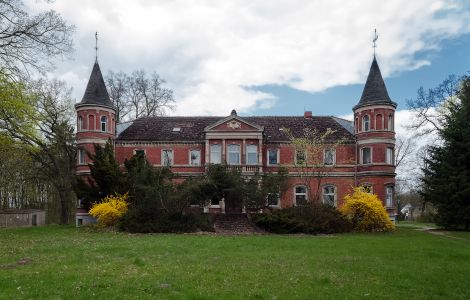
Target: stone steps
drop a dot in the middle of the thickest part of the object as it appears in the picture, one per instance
(234, 224)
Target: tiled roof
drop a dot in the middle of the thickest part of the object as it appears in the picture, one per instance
(192, 128)
(375, 91)
(96, 92)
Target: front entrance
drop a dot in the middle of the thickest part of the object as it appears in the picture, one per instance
(233, 206)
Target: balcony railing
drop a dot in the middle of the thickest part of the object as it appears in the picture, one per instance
(244, 168)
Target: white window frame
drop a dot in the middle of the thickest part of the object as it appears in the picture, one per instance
(390, 122)
(232, 152)
(80, 123)
(390, 156)
(300, 194)
(334, 157)
(369, 186)
(171, 158)
(295, 157)
(389, 196)
(105, 123)
(362, 156)
(198, 161)
(212, 156)
(277, 156)
(335, 204)
(364, 123)
(278, 204)
(81, 156)
(136, 150)
(248, 154)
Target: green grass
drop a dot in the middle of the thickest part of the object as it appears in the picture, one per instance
(66, 263)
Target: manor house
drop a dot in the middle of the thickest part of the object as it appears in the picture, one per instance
(255, 144)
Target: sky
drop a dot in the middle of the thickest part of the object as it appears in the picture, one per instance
(268, 57)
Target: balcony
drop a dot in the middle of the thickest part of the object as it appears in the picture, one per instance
(245, 168)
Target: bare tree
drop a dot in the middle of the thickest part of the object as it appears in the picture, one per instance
(118, 86)
(313, 164)
(429, 106)
(31, 42)
(404, 148)
(155, 100)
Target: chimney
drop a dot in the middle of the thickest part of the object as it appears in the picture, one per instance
(308, 114)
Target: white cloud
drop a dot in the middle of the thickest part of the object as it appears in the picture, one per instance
(210, 51)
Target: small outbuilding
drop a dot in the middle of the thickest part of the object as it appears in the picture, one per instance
(22, 217)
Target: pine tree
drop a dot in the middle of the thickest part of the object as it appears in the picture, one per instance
(447, 173)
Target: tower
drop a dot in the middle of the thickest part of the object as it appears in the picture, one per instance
(374, 121)
(95, 118)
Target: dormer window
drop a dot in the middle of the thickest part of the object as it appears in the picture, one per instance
(366, 123)
(176, 129)
(104, 123)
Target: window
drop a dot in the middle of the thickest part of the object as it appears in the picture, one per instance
(390, 122)
(139, 152)
(390, 156)
(104, 124)
(356, 125)
(368, 188)
(216, 154)
(195, 157)
(389, 196)
(300, 195)
(365, 123)
(329, 195)
(234, 154)
(80, 124)
(299, 157)
(81, 156)
(330, 157)
(366, 156)
(251, 155)
(273, 157)
(167, 157)
(273, 199)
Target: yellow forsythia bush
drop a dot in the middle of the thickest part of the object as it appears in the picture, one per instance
(110, 209)
(366, 212)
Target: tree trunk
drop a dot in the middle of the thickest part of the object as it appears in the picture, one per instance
(64, 200)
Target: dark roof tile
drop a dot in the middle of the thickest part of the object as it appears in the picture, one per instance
(192, 128)
(96, 92)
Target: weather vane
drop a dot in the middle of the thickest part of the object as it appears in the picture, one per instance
(96, 46)
(376, 37)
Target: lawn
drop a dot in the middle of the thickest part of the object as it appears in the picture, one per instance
(66, 262)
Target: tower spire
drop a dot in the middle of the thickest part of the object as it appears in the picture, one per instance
(376, 37)
(96, 46)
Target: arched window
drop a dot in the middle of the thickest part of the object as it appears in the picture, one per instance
(91, 122)
(390, 122)
(365, 123)
(80, 123)
(300, 193)
(329, 195)
(104, 124)
(379, 122)
(357, 125)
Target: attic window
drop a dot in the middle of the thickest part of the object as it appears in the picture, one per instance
(176, 129)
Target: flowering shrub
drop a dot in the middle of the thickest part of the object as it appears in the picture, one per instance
(366, 212)
(110, 210)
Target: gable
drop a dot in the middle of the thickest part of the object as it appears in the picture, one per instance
(232, 124)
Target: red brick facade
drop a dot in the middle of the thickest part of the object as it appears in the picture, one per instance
(188, 144)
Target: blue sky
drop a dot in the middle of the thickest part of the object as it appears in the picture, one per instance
(261, 57)
(453, 58)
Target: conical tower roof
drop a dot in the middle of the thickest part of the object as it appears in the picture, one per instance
(96, 93)
(375, 91)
